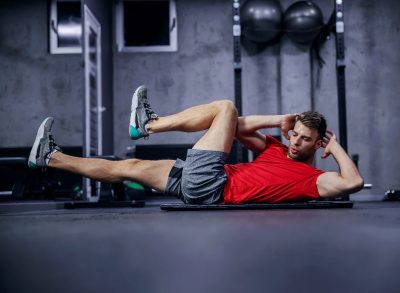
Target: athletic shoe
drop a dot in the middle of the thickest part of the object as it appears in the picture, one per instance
(43, 147)
(141, 114)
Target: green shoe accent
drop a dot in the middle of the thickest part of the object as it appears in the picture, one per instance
(134, 133)
(32, 165)
(135, 185)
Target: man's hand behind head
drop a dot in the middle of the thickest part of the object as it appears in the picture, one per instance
(328, 142)
(287, 124)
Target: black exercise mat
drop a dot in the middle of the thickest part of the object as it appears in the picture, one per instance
(259, 206)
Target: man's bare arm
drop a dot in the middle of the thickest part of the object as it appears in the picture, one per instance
(348, 180)
(248, 126)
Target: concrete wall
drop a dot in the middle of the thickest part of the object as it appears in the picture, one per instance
(34, 84)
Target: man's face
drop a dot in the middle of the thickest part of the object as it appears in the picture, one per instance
(303, 143)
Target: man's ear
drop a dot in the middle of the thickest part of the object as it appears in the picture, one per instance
(318, 144)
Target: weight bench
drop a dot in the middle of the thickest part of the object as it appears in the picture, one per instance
(19, 184)
(259, 206)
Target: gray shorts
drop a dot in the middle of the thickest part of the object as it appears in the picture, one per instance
(200, 179)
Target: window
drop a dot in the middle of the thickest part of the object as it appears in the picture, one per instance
(65, 27)
(146, 26)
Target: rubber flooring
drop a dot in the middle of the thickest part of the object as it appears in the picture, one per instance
(47, 249)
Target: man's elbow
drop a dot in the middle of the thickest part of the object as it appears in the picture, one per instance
(356, 184)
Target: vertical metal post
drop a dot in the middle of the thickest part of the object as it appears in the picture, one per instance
(340, 73)
(241, 153)
(340, 76)
(237, 65)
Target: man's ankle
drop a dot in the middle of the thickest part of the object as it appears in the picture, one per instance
(53, 155)
(150, 126)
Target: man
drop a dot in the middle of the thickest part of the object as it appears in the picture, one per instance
(279, 174)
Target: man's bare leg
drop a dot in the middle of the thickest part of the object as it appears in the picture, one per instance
(219, 117)
(149, 173)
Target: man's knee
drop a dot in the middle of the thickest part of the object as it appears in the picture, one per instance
(226, 106)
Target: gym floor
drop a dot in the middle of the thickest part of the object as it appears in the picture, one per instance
(44, 248)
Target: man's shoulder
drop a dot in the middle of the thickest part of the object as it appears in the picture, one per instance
(273, 140)
(274, 147)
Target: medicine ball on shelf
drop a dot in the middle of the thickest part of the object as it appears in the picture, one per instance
(261, 20)
(303, 21)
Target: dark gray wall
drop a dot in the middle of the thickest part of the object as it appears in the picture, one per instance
(35, 84)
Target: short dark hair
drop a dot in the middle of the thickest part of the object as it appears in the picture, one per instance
(313, 120)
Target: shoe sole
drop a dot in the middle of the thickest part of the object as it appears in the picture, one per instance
(32, 156)
(133, 132)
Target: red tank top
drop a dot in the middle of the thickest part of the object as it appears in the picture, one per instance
(272, 177)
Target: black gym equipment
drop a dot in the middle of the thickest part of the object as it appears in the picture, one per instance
(392, 195)
(18, 166)
(303, 21)
(261, 20)
(105, 204)
(18, 182)
(259, 206)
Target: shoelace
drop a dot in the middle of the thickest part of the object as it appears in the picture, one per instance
(52, 143)
(149, 110)
(52, 147)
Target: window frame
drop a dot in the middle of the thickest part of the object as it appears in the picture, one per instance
(53, 35)
(173, 30)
